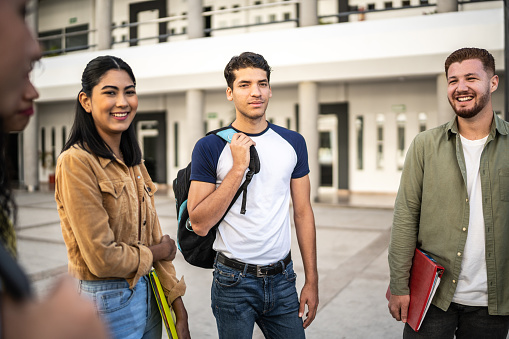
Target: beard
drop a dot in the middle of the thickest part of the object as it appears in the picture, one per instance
(472, 112)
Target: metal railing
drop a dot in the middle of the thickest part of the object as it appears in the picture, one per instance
(208, 31)
(63, 42)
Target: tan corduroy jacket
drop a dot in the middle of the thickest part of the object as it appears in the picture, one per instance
(108, 220)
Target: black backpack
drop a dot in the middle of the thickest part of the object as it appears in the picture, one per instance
(198, 250)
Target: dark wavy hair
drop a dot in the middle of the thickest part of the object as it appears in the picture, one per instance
(468, 53)
(83, 131)
(245, 60)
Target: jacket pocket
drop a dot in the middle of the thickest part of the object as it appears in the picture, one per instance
(150, 188)
(114, 196)
(503, 177)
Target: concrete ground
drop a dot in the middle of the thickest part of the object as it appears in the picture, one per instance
(352, 238)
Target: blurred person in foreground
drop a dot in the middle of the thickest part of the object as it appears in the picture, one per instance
(62, 314)
(453, 204)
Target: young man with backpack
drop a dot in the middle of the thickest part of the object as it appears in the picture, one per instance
(254, 281)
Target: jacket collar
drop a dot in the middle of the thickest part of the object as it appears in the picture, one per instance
(497, 125)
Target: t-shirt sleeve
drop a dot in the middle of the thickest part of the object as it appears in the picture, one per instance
(205, 157)
(302, 167)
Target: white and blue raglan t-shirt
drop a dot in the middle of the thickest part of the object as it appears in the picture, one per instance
(262, 235)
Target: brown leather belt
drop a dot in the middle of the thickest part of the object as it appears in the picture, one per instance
(258, 270)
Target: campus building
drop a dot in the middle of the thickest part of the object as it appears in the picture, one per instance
(358, 79)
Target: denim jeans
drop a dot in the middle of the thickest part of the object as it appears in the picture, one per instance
(466, 322)
(129, 314)
(239, 300)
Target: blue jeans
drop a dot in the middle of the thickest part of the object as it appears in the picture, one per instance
(240, 299)
(129, 314)
(465, 322)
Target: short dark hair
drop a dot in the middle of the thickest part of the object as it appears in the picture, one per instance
(245, 60)
(468, 53)
(84, 133)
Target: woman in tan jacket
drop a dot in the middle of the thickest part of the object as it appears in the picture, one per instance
(105, 200)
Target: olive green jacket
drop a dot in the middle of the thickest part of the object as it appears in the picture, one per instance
(432, 211)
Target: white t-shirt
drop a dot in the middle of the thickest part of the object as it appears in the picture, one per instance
(472, 286)
(262, 235)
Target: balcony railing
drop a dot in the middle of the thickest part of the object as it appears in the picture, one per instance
(66, 42)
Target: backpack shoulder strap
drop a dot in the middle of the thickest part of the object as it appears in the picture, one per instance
(225, 133)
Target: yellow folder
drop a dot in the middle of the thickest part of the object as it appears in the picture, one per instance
(166, 312)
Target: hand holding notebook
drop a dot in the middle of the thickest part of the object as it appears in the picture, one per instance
(425, 276)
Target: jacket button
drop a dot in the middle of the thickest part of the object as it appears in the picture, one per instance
(144, 222)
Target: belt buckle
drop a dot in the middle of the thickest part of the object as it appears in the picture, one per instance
(259, 273)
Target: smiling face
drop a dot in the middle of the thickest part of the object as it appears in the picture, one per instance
(250, 93)
(469, 88)
(19, 51)
(113, 104)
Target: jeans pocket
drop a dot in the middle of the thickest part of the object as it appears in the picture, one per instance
(225, 276)
(290, 275)
(113, 300)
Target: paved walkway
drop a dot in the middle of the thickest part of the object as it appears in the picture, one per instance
(352, 238)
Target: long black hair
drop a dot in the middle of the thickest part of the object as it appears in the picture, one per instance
(84, 133)
(8, 207)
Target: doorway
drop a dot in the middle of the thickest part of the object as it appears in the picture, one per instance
(151, 134)
(333, 146)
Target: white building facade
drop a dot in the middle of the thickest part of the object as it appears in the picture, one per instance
(357, 86)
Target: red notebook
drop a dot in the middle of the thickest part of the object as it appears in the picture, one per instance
(425, 276)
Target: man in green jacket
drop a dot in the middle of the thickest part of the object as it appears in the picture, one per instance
(453, 203)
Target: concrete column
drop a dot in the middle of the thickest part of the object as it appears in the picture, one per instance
(195, 104)
(444, 110)
(29, 137)
(103, 22)
(308, 116)
(31, 153)
(308, 13)
(195, 23)
(445, 6)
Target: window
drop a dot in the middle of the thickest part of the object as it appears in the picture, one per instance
(257, 3)
(64, 136)
(235, 6)
(423, 117)
(371, 7)
(73, 42)
(405, 3)
(53, 44)
(258, 19)
(388, 4)
(400, 155)
(287, 16)
(79, 41)
(359, 129)
(380, 121)
(424, 2)
(43, 146)
(53, 148)
(272, 17)
(176, 143)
